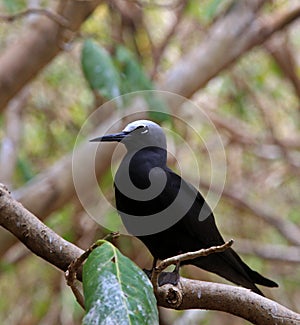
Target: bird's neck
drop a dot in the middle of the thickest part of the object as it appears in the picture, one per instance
(137, 165)
(148, 156)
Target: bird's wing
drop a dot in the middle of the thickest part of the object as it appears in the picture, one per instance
(199, 221)
(198, 230)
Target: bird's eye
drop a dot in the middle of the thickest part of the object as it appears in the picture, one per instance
(144, 129)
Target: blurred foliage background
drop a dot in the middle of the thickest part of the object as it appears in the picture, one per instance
(253, 103)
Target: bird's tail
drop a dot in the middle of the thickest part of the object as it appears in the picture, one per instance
(231, 267)
(259, 279)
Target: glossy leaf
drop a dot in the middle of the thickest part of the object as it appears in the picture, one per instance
(116, 291)
(99, 70)
(134, 78)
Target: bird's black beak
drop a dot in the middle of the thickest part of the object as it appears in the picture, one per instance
(110, 137)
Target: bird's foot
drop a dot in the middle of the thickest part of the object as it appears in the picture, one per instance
(168, 277)
(165, 277)
(148, 273)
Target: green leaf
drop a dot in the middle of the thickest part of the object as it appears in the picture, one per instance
(212, 8)
(99, 70)
(134, 78)
(25, 169)
(14, 5)
(116, 291)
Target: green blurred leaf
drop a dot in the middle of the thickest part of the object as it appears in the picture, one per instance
(207, 10)
(134, 78)
(294, 215)
(116, 291)
(212, 8)
(25, 169)
(14, 5)
(99, 70)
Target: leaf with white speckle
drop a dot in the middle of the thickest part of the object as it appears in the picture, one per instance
(116, 291)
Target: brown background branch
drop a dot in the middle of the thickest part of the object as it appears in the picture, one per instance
(38, 45)
(37, 11)
(39, 238)
(221, 47)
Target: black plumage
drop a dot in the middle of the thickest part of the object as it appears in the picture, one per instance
(193, 225)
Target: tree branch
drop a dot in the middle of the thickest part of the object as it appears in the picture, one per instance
(40, 239)
(241, 302)
(280, 48)
(37, 11)
(38, 45)
(191, 255)
(194, 294)
(238, 31)
(184, 257)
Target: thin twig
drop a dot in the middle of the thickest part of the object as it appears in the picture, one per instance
(75, 265)
(147, 4)
(184, 257)
(37, 11)
(280, 48)
(158, 52)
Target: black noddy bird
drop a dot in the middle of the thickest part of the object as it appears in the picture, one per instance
(167, 213)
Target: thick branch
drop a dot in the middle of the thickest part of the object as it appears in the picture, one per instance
(241, 302)
(237, 301)
(37, 11)
(281, 50)
(238, 31)
(40, 239)
(54, 187)
(38, 45)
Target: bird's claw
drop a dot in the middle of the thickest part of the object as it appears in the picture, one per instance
(165, 277)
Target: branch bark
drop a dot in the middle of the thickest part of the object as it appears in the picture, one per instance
(39, 238)
(37, 11)
(238, 31)
(38, 45)
(281, 50)
(241, 302)
(234, 300)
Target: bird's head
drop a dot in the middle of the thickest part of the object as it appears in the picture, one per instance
(137, 135)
